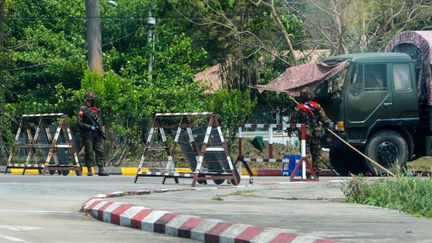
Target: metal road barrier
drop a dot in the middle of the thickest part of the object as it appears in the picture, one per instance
(201, 146)
(44, 142)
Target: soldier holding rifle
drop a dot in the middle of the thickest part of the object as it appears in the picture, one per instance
(91, 130)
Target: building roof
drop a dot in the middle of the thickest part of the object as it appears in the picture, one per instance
(210, 77)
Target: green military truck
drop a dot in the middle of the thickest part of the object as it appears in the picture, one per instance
(382, 105)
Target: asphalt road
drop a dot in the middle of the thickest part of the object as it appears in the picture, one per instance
(46, 209)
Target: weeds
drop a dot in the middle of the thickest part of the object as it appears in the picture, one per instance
(241, 193)
(408, 194)
(218, 198)
(244, 193)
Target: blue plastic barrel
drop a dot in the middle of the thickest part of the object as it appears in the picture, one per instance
(293, 159)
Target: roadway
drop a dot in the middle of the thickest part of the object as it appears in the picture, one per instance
(46, 209)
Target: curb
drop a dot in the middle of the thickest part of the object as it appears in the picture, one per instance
(184, 226)
(131, 171)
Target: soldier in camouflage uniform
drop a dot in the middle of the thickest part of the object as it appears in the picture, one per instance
(313, 115)
(90, 125)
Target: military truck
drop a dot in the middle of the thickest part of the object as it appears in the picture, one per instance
(382, 105)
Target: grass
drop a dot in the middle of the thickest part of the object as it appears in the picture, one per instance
(218, 198)
(422, 163)
(241, 193)
(412, 195)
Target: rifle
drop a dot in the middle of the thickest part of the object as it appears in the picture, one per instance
(95, 120)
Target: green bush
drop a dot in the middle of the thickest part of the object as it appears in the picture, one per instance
(232, 109)
(408, 194)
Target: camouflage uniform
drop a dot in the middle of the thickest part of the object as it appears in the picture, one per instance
(90, 138)
(314, 117)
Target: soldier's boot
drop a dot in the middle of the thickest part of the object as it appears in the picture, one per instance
(102, 172)
(89, 171)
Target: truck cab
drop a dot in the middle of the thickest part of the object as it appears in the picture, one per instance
(376, 110)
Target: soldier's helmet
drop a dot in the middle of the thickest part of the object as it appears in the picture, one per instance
(90, 95)
(307, 94)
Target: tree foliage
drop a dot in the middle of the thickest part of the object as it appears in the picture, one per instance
(46, 47)
(345, 26)
(233, 108)
(47, 72)
(245, 39)
(43, 59)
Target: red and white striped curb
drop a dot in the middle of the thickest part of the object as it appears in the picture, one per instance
(185, 226)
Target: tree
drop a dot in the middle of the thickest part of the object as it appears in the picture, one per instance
(281, 26)
(232, 108)
(386, 18)
(46, 47)
(326, 20)
(345, 26)
(246, 36)
(130, 100)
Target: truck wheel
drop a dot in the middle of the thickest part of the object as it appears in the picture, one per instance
(388, 148)
(346, 162)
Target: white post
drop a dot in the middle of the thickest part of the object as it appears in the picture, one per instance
(270, 131)
(303, 149)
